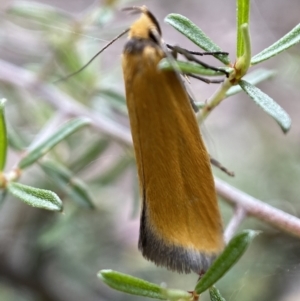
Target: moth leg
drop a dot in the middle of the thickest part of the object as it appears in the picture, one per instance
(198, 52)
(189, 56)
(204, 79)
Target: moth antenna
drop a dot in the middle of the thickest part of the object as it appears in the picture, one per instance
(93, 58)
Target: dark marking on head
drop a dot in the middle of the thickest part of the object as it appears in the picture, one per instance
(137, 45)
(154, 20)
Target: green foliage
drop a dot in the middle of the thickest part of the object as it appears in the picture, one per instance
(195, 34)
(44, 147)
(189, 68)
(35, 197)
(41, 198)
(65, 180)
(255, 77)
(268, 105)
(116, 170)
(233, 251)
(191, 31)
(40, 13)
(3, 136)
(242, 17)
(215, 294)
(70, 166)
(132, 285)
(287, 41)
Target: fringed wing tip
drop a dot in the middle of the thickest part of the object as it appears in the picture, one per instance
(176, 258)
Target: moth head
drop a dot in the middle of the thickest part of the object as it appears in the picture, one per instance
(146, 27)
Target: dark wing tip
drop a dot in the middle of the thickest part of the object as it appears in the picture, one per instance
(177, 258)
(171, 256)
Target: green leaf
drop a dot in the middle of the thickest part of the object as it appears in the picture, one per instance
(115, 99)
(44, 15)
(3, 194)
(268, 105)
(187, 67)
(35, 197)
(242, 17)
(62, 133)
(287, 41)
(131, 285)
(73, 187)
(175, 294)
(215, 295)
(242, 63)
(233, 251)
(255, 77)
(91, 153)
(15, 141)
(195, 34)
(70, 61)
(115, 170)
(3, 136)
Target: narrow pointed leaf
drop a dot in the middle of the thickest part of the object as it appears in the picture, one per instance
(73, 187)
(242, 63)
(242, 17)
(3, 136)
(115, 99)
(195, 34)
(70, 60)
(114, 95)
(63, 132)
(268, 105)
(177, 295)
(215, 295)
(233, 251)
(187, 67)
(287, 41)
(35, 197)
(14, 139)
(254, 78)
(40, 13)
(89, 155)
(115, 170)
(131, 285)
(3, 194)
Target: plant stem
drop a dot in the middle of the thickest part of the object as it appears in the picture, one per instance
(24, 79)
(275, 217)
(239, 215)
(215, 99)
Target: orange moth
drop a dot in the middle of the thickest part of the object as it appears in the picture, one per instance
(181, 226)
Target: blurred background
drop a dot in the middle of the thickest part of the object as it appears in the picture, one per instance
(55, 257)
